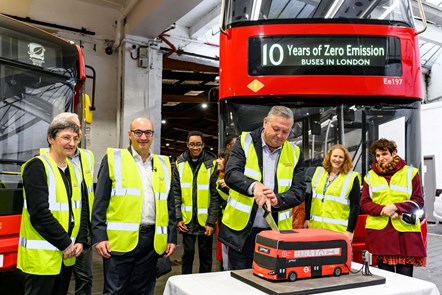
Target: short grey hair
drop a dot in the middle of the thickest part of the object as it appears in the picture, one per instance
(280, 111)
(65, 116)
(60, 123)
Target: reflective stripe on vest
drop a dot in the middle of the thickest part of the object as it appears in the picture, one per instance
(332, 209)
(38, 244)
(118, 190)
(87, 166)
(161, 181)
(239, 207)
(187, 178)
(33, 250)
(125, 206)
(399, 190)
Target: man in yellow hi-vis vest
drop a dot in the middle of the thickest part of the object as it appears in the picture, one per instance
(133, 217)
(196, 202)
(263, 168)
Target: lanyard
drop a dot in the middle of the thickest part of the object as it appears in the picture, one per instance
(328, 182)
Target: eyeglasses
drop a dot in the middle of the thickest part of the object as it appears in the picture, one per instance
(67, 139)
(139, 133)
(195, 145)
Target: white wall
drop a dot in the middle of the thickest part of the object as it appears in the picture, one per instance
(431, 117)
(434, 90)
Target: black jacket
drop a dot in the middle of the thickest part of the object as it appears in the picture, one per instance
(36, 187)
(236, 180)
(101, 203)
(206, 158)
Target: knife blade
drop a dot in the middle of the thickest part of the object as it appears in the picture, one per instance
(269, 218)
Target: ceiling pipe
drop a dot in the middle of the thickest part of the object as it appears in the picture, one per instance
(172, 49)
(120, 23)
(424, 19)
(162, 37)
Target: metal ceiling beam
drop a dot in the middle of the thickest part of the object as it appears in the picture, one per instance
(185, 98)
(174, 64)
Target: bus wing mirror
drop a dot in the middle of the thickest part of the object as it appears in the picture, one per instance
(87, 113)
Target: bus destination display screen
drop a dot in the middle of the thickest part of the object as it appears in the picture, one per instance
(324, 55)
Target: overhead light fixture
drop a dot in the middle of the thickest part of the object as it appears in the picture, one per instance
(191, 82)
(204, 105)
(256, 9)
(193, 92)
(171, 104)
(389, 9)
(163, 121)
(334, 8)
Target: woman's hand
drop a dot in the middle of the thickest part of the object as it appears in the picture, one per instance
(222, 183)
(389, 210)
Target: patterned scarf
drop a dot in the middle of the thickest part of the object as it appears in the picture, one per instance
(389, 167)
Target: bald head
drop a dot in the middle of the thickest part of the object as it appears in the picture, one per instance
(141, 136)
(140, 122)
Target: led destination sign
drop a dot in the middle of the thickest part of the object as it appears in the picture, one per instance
(324, 55)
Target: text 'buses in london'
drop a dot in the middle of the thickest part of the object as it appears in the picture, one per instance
(40, 77)
(350, 71)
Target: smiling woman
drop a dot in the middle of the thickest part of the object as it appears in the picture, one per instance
(52, 199)
(334, 201)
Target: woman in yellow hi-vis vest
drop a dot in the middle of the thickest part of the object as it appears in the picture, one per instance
(223, 191)
(391, 194)
(54, 220)
(334, 201)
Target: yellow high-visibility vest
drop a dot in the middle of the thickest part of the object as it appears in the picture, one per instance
(382, 193)
(125, 207)
(203, 191)
(35, 254)
(330, 210)
(239, 206)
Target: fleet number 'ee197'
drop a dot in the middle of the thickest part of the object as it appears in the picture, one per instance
(393, 81)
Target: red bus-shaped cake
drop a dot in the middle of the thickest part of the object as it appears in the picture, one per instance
(301, 253)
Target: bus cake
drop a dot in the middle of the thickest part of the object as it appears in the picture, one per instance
(302, 253)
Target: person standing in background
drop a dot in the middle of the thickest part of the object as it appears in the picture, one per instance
(391, 191)
(133, 217)
(231, 140)
(196, 201)
(334, 201)
(54, 221)
(223, 191)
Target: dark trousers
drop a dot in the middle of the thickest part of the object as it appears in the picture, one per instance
(244, 259)
(132, 272)
(83, 273)
(403, 269)
(49, 284)
(204, 249)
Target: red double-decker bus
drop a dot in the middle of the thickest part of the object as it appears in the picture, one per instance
(349, 69)
(40, 77)
(302, 253)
